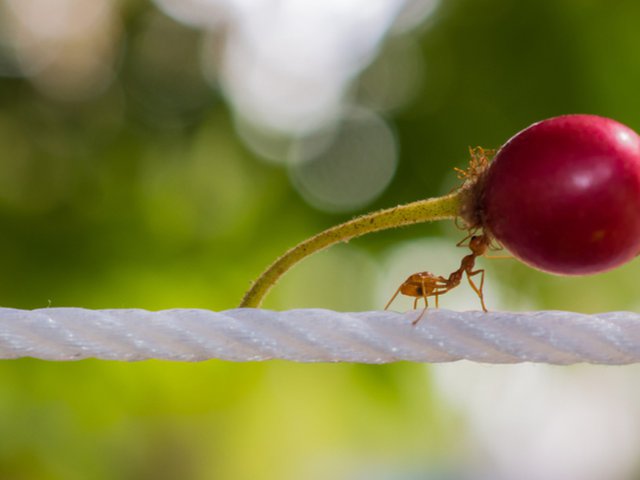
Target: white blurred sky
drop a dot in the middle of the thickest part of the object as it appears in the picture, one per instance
(288, 64)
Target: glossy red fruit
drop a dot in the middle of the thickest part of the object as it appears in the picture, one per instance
(563, 195)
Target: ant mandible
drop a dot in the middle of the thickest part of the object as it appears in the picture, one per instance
(426, 284)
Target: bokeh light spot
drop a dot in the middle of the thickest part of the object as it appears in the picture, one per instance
(348, 168)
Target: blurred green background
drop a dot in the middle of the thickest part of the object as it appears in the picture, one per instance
(161, 155)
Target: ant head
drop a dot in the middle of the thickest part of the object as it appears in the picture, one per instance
(478, 244)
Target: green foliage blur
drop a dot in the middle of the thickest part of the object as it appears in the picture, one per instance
(145, 196)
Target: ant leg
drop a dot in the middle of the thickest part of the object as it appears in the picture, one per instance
(481, 277)
(461, 242)
(415, 303)
(426, 303)
(498, 256)
(426, 306)
(415, 322)
(393, 298)
(435, 292)
(476, 289)
(495, 246)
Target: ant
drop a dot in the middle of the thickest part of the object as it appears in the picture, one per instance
(426, 284)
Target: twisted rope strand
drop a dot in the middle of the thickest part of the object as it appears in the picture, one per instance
(315, 335)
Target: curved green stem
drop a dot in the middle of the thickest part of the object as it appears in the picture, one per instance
(417, 212)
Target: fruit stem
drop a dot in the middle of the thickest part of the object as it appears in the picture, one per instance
(428, 210)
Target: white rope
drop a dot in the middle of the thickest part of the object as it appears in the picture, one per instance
(314, 335)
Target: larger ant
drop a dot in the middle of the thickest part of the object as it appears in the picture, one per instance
(426, 284)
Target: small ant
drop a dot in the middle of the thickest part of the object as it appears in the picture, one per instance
(426, 284)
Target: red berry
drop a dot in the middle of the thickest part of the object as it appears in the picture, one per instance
(563, 195)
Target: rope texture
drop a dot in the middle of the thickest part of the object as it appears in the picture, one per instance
(315, 335)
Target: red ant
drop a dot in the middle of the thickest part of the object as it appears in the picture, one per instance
(426, 284)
